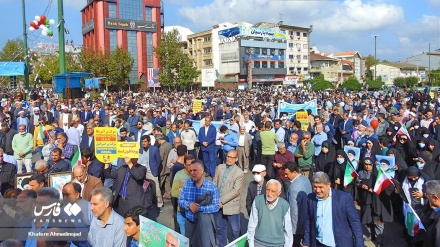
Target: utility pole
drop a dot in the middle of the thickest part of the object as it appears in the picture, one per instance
(429, 63)
(250, 63)
(375, 58)
(25, 47)
(62, 50)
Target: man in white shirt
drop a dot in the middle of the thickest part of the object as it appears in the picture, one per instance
(80, 127)
(73, 135)
(248, 124)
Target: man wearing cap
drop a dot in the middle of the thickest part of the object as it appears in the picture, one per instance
(22, 119)
(65, 118)
(34, 121)
(257, 186)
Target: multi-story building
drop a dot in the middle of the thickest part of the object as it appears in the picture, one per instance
(200, 50)
(351, 65)
(325, 65)
(389, 71)
(297, 52)
(134, 25)
(426, 60)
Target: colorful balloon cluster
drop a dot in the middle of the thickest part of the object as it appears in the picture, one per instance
(41, 22)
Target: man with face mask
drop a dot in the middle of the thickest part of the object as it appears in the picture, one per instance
(22, 146)
(256, 187)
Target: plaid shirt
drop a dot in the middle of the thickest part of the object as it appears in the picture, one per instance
(190, 192)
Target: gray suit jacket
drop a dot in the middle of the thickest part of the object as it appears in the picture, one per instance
(297, 198)
(247, 143)
(231, 191)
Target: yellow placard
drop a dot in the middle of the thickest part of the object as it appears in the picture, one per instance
(303, 118)
(197, 105)
(128, 149)
(105, 143)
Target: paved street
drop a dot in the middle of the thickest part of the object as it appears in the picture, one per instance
(393, 231)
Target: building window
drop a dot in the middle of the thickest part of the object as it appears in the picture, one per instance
(305, 57)
(264, 64)
(290, 45)
(305, 69)
(281, 52)
(208, 62)
(207, 51)
(207, 39)
(132, 48)
(272, 65)
(304, 46)
(130, 10)
(290, 32)
(264, 51)
(148, 14)
(112, 10)
(298, 57)
(272, 52)
(257, 64)
(150, 50)
(291, 68)
(298, 33)
(113, 40)
(304, 34)
(281, 65)
(298, 69)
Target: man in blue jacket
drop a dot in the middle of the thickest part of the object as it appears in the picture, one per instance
(332, 219)
(207, 137)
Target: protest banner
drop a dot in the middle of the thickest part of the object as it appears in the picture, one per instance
(154, 234)
(197, 105)
(293, 108)
(303, 118)
(128, 149)
(105, 139)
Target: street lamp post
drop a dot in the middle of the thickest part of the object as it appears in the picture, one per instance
(429, 63)
(375, 59)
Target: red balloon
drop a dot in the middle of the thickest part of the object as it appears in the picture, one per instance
(33, 25)
(374, 123)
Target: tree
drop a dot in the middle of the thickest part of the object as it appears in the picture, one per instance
(12, 51)
(375, 84)
(319, 84)
(352, 84)
(411, 81)
(369, 62)
(434, 75)
(120, 66)
(399, 82)
(177, 68)
(95, 62)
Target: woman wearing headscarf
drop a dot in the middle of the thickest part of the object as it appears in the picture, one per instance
(406, 149)
(325, 158)
(434, 148)
(337, 172)
(427, 165)
(389, 134)
(412, 186)
(371, 149)
(375, 209)
(401, 165)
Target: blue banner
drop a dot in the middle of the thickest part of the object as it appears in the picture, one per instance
(196, 124)
(293, 108)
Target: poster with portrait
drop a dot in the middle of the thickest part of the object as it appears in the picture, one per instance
(387, 164)
(154, 234)
(59, 179)
(352, 152)
(22, 180)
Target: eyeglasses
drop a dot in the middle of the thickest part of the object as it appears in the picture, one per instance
(231, 157)
(256, 172)
(403, 139)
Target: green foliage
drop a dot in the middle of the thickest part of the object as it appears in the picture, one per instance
(121, 64)
(12, 51)
(177, 69)
(320, 84)
(352, 84)
(434, 75)
(374, 85)
(95, 62)
(370, 61)
(405, 81)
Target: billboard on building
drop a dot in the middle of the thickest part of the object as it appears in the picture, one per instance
(209, 77)
(153, 77)
(269, 33)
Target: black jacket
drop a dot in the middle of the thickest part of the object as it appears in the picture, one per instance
(7, 173)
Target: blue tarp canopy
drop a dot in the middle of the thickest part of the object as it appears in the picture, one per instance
(93, 82)
(11, 68)
(70, 80)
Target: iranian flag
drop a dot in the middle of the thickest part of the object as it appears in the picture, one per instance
(403, 131)
(412, 220)
(349, 175)
(382, 182)
(239, 242)
(76, 160)
(42, 133)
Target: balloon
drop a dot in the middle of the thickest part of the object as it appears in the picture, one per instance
(37, 18)
(374, 123)
(47, 21)
(31, 28)
(51, 21)
(50, 32)
(43, 19)
(42, 26)
(47, 25)
(44, 32)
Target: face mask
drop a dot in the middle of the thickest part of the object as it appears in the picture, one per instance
(340, 160)
(22, 133)
(420, 165)
(257, 178)
(145, 121)
(425, 135)
(416, 127)
(422, 145)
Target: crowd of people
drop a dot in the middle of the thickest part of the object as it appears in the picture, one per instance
(198, 159)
